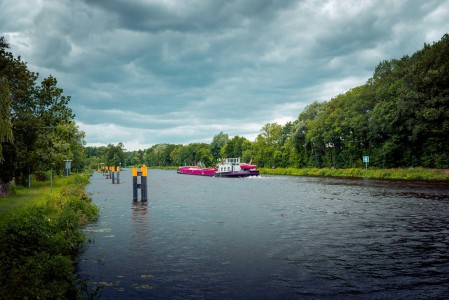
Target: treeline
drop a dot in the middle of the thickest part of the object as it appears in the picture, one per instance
(37, 128)
(399, 118)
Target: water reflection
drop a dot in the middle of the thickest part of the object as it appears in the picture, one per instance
(140, 210)
(272, 237)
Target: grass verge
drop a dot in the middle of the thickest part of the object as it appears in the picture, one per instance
(394, 174)
(40, 236)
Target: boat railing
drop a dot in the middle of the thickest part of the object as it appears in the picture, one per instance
(233, 161)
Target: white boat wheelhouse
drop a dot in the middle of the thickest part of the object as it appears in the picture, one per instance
(229, 165)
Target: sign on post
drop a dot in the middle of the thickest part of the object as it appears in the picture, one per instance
(366, 160)
(68, 166)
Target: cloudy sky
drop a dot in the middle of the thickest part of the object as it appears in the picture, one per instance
(144, 72)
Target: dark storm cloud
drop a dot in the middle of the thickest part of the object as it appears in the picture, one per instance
(187, 16)
(153, 71)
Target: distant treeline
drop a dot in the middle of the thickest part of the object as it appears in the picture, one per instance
(399, 118)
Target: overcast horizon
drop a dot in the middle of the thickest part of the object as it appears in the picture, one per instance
(164, 71)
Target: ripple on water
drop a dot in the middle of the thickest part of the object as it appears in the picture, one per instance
(269, 237)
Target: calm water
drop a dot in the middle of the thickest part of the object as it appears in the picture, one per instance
(270, 237)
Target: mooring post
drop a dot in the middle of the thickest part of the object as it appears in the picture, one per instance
(112, 174)
(143, 180)
(142, 185)
(134, 171)
(107, 172)
(118, 174)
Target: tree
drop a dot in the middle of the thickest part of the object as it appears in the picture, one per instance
(21, 90)
(217, 144)
(305, 138)
(268, 147)
(33, 110)
(114, 155)
(235, 147)
(51, 106)
(5, 121)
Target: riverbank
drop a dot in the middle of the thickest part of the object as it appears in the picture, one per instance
(392, 174)
(40, 235)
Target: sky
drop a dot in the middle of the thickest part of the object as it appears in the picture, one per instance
(144, 72)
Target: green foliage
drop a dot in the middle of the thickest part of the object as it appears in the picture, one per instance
(218, 142)
(399, 118)
(114, 155)
(39, 242)
(175, 155)
(41, 176)
(43, 131)
(5, 121)
(44, 276)
(235, 147)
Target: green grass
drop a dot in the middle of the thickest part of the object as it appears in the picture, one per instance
(163, 168)
(24, 197)
(393, 174)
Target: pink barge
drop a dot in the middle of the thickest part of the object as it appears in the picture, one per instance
(230, 167)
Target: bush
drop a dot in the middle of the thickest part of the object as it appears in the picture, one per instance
(39, 243)
(40, 176)
(41, 276)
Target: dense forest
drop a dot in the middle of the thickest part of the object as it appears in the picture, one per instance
(37, 127)
(400, 118)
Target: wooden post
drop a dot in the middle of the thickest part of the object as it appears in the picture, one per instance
(118, 174)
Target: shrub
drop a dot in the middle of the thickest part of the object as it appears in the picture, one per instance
(40, 176)
(42, 276)
(38, 244)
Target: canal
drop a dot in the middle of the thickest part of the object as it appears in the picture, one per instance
(268, 237)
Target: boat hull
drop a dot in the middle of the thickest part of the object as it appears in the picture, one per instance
(196, 174)
(194, 170)
(236, 174)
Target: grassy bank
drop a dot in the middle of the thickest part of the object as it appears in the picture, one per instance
(397, 174)
(40, 236)
(164, 167)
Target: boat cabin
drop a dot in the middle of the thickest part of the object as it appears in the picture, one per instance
(229, 165)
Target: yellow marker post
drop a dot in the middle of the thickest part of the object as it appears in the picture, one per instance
(143, 182)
